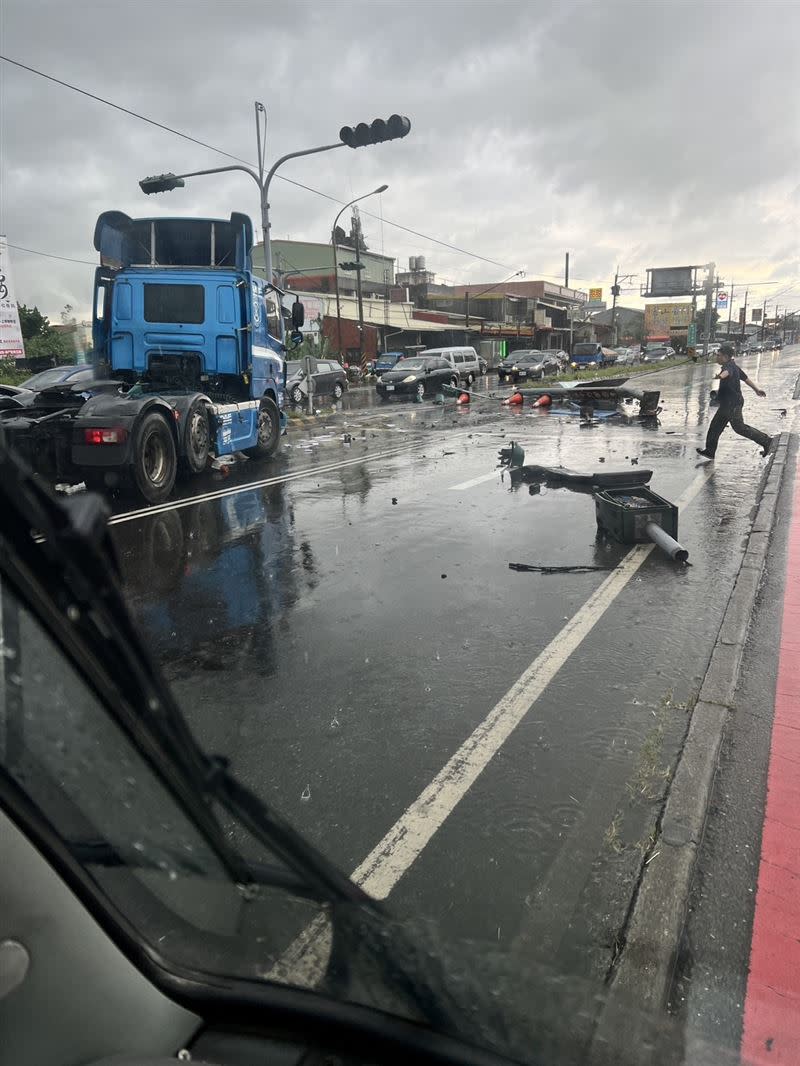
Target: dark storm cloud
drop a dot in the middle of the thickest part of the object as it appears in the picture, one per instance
(643, 133)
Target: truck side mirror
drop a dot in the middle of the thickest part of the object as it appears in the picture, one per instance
(298, 314)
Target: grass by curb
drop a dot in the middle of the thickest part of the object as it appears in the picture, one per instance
(644, 969)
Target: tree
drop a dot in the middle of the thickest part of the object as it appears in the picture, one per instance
(50, 349)
(32, 322)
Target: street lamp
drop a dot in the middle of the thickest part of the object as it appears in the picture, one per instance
(516, 274)
(380, 189)
(380, 130)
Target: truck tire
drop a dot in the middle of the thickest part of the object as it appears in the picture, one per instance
(269, 431)
(196, 439)
(154, 460)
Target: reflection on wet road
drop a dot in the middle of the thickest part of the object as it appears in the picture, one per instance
(346, 624)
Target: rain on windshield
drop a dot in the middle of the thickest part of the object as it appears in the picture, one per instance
(515, 660)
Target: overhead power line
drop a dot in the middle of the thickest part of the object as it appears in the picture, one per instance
(50, 255)
(238, 159)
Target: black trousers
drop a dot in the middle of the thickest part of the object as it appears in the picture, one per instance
(732, 416)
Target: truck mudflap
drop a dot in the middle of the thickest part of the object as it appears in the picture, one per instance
(234, 426)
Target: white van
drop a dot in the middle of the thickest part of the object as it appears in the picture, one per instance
(464, 361)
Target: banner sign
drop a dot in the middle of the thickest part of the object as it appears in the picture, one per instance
(11, 346)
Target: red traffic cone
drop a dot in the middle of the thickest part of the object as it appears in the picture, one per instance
(515, 400)
(543, 401)
(463, 397)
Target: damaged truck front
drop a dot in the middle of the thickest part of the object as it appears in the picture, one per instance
(189, 347)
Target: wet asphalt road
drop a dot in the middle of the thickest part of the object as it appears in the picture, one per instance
(340, 647)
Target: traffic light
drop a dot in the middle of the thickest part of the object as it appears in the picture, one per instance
(161, 183)
(352, 266)
(374, 132)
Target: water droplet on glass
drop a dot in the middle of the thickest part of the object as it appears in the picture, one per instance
(306, 793)
(366, 660)
(437, 657)
(334, 722)
(138, 845)
(15, 679)
(305, 656)
(172, 875)
(427, 688)
(73, 613)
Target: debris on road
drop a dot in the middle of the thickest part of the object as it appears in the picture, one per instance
(574, 568)
(635, 515)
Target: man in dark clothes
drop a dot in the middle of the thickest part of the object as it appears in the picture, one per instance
(731, 401)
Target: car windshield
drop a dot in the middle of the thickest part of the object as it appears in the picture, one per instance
(559, 825)
(45, 378)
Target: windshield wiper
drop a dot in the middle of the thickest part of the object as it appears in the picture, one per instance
(58, 558)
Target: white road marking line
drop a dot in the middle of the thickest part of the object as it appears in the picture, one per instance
(304, 960)
(475, 481)
(174, 505)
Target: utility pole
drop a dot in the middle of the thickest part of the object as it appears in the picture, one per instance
(763, 318)
(357, 227)
(709, 297)
(614, 292)
(730, 310)
(744, 316)
(566, 270)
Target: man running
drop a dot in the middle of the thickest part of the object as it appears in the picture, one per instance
(731, 401)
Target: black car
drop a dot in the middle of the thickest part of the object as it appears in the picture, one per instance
(418, 376)
(528, 365)
(59, 375)
(328, 376)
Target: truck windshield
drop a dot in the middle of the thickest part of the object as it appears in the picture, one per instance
(174, 303)
(585, 349)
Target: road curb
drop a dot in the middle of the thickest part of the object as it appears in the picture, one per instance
(642, 976)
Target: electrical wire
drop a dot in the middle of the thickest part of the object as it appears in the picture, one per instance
(50, 255)
(238, 159)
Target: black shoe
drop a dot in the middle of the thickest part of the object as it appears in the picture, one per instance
(704, 453)
(768, 447)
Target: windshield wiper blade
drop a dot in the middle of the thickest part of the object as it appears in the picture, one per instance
(56, 558)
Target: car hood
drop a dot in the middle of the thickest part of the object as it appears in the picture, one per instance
(397, 375)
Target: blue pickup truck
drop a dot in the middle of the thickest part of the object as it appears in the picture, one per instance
(189, 347)
(589, 355)
(386, 361)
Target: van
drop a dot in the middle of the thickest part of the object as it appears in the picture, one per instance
(464, 361)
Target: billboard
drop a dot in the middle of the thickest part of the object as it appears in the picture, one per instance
(756, 314)
(11, 346)
(671, 281)
(595, 295)
(722, 301)
(660, 320)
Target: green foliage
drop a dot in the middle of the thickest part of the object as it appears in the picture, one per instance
(10, 374)
(50, 348)
(32, 322)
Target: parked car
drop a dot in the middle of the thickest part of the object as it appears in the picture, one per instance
(658, 354)
(528, 365)
(464, 361)
(386, 361)
(328, 376)
(753, 348)
(627, 356)
(59, 375)
(416, 375)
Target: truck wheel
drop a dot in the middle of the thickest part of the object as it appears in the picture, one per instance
(197, 439)
(269, 431)
(154, 460)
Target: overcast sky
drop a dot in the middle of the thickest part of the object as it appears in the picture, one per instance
(644, 133)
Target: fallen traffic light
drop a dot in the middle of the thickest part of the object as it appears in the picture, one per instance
(161, 183)
(373, 133)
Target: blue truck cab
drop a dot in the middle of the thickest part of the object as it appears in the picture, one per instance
(189, 347)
